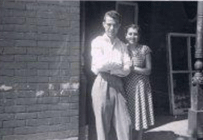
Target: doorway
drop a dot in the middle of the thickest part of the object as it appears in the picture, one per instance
(92, 13)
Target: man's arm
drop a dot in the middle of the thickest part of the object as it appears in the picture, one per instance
(126, 65)
(99, 61)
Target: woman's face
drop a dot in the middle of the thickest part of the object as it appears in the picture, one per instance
(132, 36)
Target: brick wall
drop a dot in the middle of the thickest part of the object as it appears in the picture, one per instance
(39, 69)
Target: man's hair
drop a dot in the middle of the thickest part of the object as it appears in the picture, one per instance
(113, 14)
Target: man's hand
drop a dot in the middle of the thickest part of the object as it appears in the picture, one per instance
(114, 81)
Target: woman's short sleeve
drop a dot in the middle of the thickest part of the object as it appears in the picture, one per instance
(146, 50)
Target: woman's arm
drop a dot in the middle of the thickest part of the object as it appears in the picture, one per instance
(148, 66)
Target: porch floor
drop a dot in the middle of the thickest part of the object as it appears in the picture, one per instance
(167, 127)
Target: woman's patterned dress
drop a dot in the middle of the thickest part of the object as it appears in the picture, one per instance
(138, 91)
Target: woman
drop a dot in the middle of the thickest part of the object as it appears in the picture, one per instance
(137, 86)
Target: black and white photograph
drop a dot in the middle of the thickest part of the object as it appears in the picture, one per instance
(101, 70)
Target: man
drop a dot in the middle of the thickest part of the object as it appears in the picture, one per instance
(110, 61)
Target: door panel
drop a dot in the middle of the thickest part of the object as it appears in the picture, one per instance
(181, 57)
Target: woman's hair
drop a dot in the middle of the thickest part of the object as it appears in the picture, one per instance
(134, 26)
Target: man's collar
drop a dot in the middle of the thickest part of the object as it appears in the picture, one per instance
(108, 39)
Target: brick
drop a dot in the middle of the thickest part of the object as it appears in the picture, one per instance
(25, 43)
(13, 20)
(37, 51)
(61, 65)
(12, 65)
(75, 52)
(48, 58)
(49, 114)
(74, 24)
(8, 58)
(26, 72)
(53, 37)
(55, 72)
(75, 9)
(59, 120)
(53, 128)
(6, 43)
(8, 95)
(74, 58)
(13, 5)
(59, 106)
(26, 86)
(6, 116)
(37, 122)
(13, 123)
(59, 51)
(75, 38)
(24, 130)
(71, 99)
(43, 72)
(6, 131)
(25, 116)
(25, 93)
(64, 72)
(30, 36)
(53, 15)
(74, 65)
(65, 58)
(74, 119)
(63, 79)
(48, 100)
(37, 65)
(74, 106)
(12, 80)
(70, 112)
(47, 29)
(14, 50)
(31, 21)
(75, 31)
(44, 6)
(12, 13)
(25, 58)
(1, 110)
(11, 35)
(1, 125)
(37, 79)
(7, 27)
(45, 22)
(36, 108)
(58, 44)
(23, 28)
(7, 102)
(15, 109)
(74, 45)
(75, 72)
(6, 72)
(25, 101)
(75, 17)
(64, 23)
(31, 6)
(17, 13)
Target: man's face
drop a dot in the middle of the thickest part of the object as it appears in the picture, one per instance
(111, 27)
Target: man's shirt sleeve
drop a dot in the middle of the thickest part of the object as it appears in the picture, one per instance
(125, 69)
(99, 61)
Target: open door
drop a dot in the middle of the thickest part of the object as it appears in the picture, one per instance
(92, 13)
(181, 57)
(129, 13)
